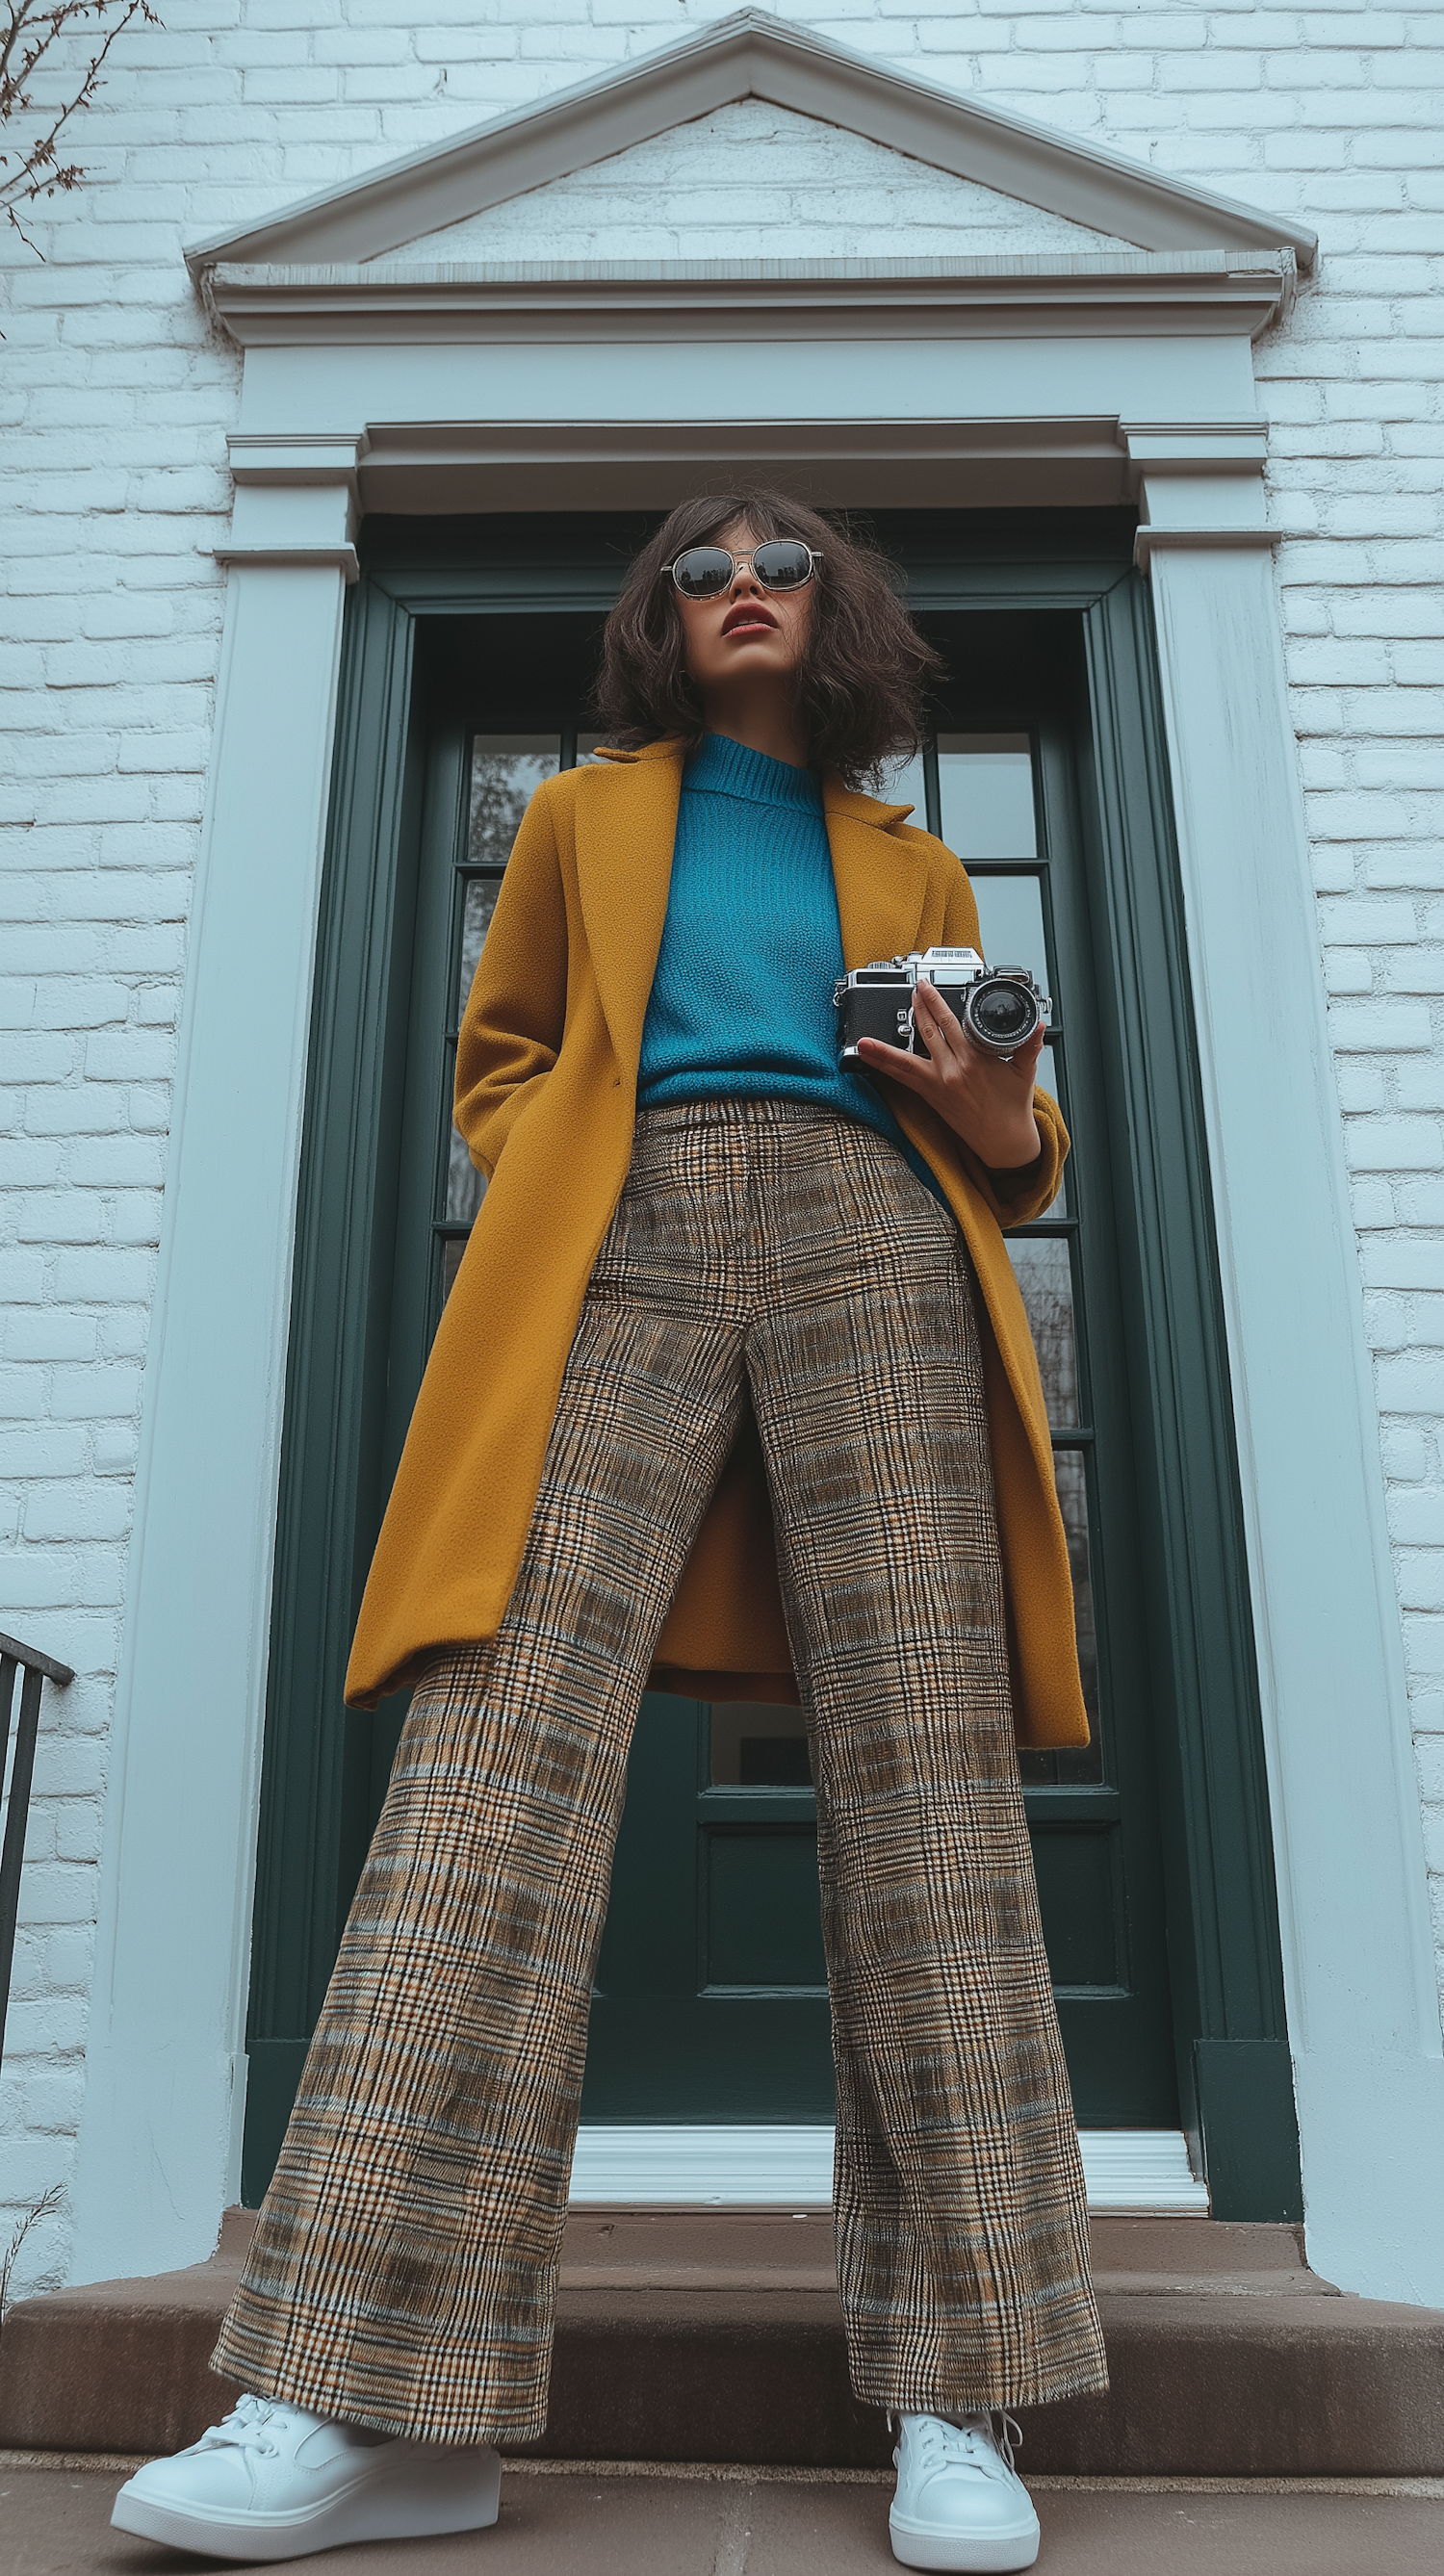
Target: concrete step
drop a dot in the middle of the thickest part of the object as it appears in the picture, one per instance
(570, 2520)
(689, 2335)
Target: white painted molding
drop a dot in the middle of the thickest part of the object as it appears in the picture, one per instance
(750, 55)
(1140, 2172)
(1363, 2011)
(307, 456)
(1027, 294)
(1126, 2170)
(459, 465)
(1148, 540)
(297, 503)
(165, 2055)
(1212, 447)
(342, 559)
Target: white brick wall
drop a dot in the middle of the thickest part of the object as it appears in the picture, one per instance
(114, 399)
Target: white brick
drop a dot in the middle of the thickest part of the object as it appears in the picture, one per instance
(1394, 1144)
(1402, 1261)
(1380, 1025)
(1373, 924)
(1407, 1453)
(1416, 1517)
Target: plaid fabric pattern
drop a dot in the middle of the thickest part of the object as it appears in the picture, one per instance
(403, 2273)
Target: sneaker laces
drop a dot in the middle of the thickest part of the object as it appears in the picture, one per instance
(1004, 2432)
(246, 2428)
(949, 2442)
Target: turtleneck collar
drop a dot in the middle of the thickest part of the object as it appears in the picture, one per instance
(721, 767)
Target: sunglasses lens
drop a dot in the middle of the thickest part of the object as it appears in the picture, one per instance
(703, 572)
(782, 564)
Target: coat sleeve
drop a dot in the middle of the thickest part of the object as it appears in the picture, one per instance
(511, 1029)
(1014, 1198)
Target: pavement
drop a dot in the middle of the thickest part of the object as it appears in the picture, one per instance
(586, 2519)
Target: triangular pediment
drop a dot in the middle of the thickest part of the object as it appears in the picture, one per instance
(1014, 185)
(757, 178)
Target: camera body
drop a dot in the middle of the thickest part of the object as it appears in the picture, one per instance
(999, 1006)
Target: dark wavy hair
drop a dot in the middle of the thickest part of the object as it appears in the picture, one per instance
(864, 673)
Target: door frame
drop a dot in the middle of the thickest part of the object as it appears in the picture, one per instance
(1226, 1978)
(1095, 379)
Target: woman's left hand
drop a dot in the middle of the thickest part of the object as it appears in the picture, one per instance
(985, 1101)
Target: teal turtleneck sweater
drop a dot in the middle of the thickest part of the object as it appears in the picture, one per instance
(741, 1002)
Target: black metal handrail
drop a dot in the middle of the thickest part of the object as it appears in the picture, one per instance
(38, 1670)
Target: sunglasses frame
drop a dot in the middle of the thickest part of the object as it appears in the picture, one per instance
(748, 557)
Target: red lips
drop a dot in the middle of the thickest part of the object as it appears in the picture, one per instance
(748, 612)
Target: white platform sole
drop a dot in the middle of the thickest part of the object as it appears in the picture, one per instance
(433, 2491)
(960, 2553)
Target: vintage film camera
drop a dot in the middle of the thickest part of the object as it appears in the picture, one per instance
(999, 1006)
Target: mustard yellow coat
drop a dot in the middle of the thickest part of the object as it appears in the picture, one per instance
(546, 1086)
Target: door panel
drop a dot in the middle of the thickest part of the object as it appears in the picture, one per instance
(711, 1999)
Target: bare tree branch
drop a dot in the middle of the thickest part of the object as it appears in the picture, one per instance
(48, 2202)
(28, 31)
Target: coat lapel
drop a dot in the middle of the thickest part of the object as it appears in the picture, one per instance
(881, 881)
(626, 826)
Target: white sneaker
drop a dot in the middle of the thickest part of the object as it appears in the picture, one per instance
(274, 2482)
(960, 2503)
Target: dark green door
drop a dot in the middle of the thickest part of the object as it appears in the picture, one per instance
(711, 2001)
(470, 647)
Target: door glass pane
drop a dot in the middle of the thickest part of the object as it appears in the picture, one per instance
(505, 769)
(478, 905)
(465, 1187)
(758, 1747)
(1010, 923)
(986, 784)
(451, 1252)
(1046, 1077)
(1070, 1470)
(1043, 1264)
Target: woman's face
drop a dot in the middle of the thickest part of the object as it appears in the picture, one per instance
(749, 636)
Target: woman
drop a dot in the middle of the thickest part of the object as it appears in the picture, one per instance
(721, 1277)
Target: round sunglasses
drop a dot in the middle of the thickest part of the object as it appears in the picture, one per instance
(705, 572)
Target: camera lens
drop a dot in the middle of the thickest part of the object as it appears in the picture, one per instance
(1002, 1015)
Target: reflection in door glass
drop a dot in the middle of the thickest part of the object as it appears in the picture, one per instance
(465, 1186)
(1064, 1768)
(1043, 1264)
(476, 912)
(505, 770)
(758, 1747)
(986, 785)
(1010, 924)
(1046, 1078)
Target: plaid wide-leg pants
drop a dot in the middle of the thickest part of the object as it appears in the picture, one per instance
(403, 2272)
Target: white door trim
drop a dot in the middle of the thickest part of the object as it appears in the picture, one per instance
(1133, 2171)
